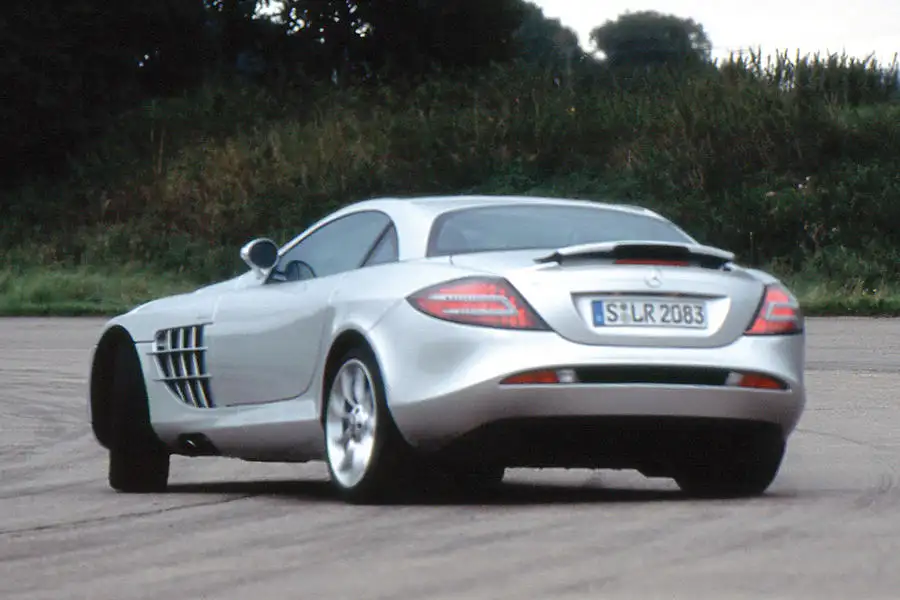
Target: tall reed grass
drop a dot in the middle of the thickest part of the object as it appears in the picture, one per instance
(790, 162)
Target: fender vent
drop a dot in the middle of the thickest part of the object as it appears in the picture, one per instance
(181, 358)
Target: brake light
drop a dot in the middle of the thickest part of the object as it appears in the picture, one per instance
(489, 302)
(779, 313)
(652, 261)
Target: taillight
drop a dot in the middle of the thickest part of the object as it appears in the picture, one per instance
(779, 313)
(652, 261)
(489, 302)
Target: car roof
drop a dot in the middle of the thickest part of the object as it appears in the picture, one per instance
(416, 214)
(435, 205)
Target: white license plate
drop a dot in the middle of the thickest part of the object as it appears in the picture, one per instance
(650, 313)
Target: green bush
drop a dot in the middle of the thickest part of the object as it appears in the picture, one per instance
(791, 164)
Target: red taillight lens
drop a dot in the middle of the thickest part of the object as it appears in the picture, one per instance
(487, 302)
(542, 376)
(532, 377)
(779, 313)
(652, 261)
(755, 381)
(760, 382)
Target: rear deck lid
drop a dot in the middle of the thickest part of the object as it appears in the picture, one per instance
(632, 293)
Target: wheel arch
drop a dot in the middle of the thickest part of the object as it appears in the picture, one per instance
(101, 381)
(342, 343)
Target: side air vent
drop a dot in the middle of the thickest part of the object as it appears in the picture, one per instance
(181, 358)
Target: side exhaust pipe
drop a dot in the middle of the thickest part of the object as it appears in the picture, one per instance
(196, 444)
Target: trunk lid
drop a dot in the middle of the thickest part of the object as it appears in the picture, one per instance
(632, 293)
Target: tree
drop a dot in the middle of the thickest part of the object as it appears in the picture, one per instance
(449, 33)
(646, 38)
(409, 36)
(546, 42)
(67, 65)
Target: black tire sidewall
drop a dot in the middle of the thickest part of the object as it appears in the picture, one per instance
(748, 471)
(138, 460)
(130, 407)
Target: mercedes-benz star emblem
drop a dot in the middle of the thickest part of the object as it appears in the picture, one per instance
(654, 279)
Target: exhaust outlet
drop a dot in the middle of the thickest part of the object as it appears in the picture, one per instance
(196, 444)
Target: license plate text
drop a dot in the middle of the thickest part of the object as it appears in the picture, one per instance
(650, 313)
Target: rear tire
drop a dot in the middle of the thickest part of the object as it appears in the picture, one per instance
(138, 461)
(744, 468)
(367, 458)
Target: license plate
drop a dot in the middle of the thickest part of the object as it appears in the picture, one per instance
(650, 313)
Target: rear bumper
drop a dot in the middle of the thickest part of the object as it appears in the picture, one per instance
(438, 421)
(656, 446)
(443, 382)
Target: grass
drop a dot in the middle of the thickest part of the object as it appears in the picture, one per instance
(82, 291)
(89, 292)
(788, 162)
(822, 298)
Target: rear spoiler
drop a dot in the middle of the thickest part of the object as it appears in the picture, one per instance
(638, 251)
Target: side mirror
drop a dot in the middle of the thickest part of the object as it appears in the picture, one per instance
(260, 255)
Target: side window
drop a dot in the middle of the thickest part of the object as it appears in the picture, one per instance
(386, 251)
(339, 246)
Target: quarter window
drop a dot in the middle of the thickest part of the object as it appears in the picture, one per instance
(386, 251)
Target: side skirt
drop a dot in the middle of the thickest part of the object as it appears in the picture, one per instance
(286, 431)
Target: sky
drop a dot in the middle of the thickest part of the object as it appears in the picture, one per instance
(858, 27)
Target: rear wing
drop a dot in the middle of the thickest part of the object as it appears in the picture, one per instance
(644, 252)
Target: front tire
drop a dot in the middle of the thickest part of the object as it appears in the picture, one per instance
(745, 468)
(368, 460)
(138, 461)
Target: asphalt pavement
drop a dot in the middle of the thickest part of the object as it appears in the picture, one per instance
(829, 528)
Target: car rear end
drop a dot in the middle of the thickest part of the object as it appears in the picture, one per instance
(600, 354)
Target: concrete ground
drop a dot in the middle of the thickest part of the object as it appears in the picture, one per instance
(828, 528)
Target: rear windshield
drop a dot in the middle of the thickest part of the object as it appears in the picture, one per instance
(522, 227)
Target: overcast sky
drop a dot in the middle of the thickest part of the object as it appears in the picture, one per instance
(857, 26)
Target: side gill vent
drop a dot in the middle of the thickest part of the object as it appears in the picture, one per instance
(181, 358)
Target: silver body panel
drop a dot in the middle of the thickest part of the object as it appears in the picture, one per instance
(265, 345)
(456, 372)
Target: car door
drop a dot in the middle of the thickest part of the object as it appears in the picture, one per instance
(263, 344)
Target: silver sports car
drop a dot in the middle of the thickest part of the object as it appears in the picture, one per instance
(399, 339)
